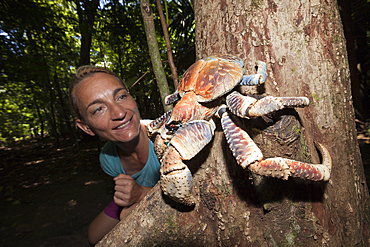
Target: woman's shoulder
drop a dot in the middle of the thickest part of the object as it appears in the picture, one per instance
(109, 160)
(109, 153)
(109, 148)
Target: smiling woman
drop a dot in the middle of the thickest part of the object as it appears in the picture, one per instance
(103, 106)
(108, 109)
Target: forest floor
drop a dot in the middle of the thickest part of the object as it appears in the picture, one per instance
(50, 194)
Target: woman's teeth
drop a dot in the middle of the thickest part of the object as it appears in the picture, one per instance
(124, 125)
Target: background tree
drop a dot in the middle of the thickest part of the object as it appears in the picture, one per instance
(304, 47)
(86, 11)
(155, 56)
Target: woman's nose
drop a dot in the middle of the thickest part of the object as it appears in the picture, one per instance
(118, 113)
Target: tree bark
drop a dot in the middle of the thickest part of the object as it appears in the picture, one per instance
(304, 47)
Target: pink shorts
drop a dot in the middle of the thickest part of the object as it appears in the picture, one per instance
(113, 210)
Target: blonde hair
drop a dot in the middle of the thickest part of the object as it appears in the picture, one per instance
(82, 73)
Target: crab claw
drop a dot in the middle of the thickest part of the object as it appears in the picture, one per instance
(176, 180)
(283, 168)
(160, 146)
(193, 137)
(248, 107)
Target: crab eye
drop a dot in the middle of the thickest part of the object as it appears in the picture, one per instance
(173, 127)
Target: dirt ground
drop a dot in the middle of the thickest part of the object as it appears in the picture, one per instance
(50, 194)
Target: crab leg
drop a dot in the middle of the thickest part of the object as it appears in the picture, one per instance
(157, 124)
(283, 168)
(242, 146)
(248, 107)
(190, 139)
(172, 98)
(257, 79)
(247, 154)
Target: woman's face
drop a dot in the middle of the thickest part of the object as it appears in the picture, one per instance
(109, 110)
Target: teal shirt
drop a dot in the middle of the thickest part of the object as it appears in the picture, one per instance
(111, 165)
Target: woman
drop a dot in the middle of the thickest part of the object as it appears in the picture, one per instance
(103, 106)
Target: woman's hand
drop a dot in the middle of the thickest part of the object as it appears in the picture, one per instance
(127, 191)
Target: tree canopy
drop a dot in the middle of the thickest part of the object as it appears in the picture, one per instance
(43, 42)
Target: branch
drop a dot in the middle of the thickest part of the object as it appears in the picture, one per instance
(168, 44)
(141, 77)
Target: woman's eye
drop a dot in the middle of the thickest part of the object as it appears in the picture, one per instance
(97, 110)
(122, 96)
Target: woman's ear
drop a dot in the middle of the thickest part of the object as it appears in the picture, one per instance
(82, 125)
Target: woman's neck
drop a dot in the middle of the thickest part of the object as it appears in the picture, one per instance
(134, 154)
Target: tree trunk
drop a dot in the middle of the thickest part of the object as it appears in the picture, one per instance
(155, 56)
(303, 45)
(64, 108)
(348, 28)
(39, 115)
(86, 10)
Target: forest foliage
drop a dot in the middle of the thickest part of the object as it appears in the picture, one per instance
(43, 42)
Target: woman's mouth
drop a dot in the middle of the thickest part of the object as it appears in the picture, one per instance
(124, 124)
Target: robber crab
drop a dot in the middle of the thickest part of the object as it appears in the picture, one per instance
(189, 127)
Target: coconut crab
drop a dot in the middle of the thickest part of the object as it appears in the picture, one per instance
(189, 127)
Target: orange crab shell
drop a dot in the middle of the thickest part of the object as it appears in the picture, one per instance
(212, 77)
